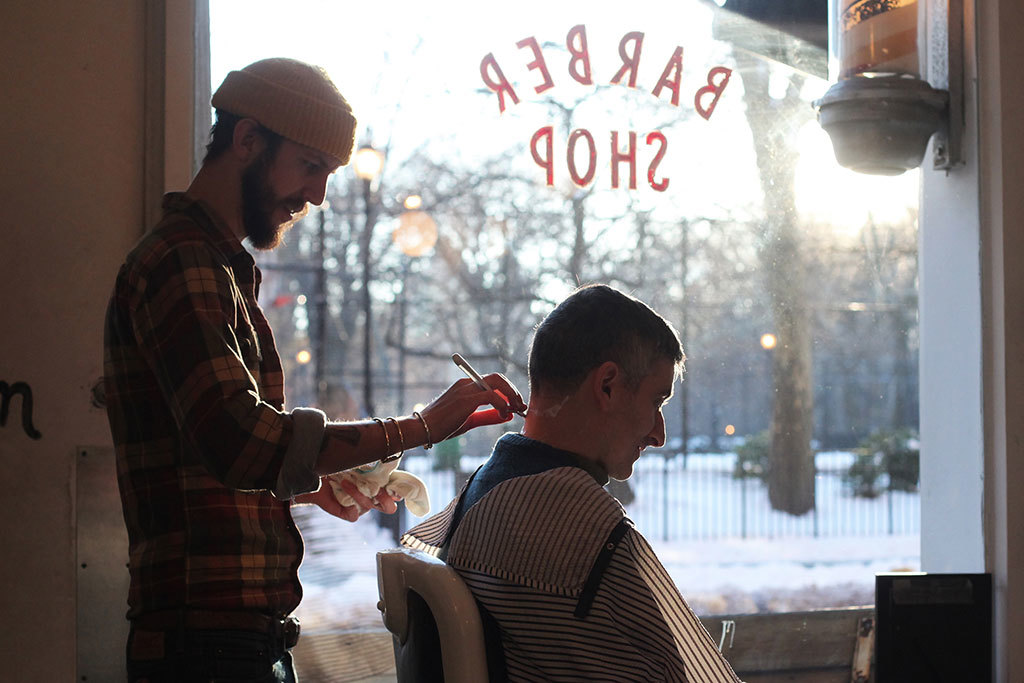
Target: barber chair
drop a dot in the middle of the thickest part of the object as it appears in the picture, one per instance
(433, 618)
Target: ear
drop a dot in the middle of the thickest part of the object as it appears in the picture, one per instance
(605, 381)
(247, 141)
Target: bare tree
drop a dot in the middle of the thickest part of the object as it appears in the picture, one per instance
(774, 124)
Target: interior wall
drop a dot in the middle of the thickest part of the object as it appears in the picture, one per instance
(972, 334)
(71, 189)
(1001, 98)
(952, 338)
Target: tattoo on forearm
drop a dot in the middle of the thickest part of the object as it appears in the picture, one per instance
(348, 434)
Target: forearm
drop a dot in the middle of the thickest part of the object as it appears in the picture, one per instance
(350, 444)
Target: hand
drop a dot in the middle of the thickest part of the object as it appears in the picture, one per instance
(454, 412)
(325, 499)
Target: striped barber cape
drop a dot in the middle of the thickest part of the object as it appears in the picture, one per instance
(576, 592)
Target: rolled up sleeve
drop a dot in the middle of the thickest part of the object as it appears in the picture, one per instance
(298, 474)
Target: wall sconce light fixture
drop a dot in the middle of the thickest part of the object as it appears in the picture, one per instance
(881, 112)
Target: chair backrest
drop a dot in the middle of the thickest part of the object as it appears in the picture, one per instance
(430, 612)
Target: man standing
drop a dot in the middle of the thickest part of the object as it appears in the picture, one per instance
(565, 583)
(209, 463)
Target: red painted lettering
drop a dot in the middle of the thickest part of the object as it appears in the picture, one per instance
(661, 185)
(631, 62)
(547, 162)
(537, 63)
(671, 75)
(584, 180)
(579, 55)
(499, 84)
(618, 157)
(542, 145)
(712, 88)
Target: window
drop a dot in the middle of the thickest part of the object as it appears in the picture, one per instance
(689, 171)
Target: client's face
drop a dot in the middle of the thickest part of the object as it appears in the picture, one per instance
(637, 420)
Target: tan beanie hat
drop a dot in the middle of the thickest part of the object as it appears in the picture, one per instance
(293, 99)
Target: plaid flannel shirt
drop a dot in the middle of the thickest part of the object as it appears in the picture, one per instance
(195, 395)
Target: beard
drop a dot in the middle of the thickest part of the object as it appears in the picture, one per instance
(259, 202)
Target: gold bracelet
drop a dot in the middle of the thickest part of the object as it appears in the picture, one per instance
(401, 443)
(426, 429)
(387, 440)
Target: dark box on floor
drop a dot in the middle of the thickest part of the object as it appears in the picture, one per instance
(933, 627)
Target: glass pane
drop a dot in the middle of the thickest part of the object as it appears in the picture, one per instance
(790, 473)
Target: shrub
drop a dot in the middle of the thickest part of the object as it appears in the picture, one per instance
(893, 453)
(863, 474)
(448, 455)
(753, 456)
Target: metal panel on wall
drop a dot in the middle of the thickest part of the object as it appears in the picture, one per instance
(101, 565)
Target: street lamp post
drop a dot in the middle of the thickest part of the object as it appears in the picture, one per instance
(321, 312)
(415, 235)
(368, 163)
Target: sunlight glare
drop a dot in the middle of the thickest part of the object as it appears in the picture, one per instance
(827, 192)
(778, 81)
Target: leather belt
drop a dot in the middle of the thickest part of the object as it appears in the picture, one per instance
(283, 630)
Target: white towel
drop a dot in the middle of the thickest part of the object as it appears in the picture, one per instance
(371, 478)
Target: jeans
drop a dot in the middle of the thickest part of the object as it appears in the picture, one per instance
(207, 657)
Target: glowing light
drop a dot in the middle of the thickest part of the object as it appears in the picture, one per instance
(413, 201)
(301, 299)
(768, 341)
(730, 430)
(418, 407)
(303, 357)
(416, 233)
(368, 163)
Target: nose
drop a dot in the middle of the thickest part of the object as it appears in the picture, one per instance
(656, 437)
(316, 189)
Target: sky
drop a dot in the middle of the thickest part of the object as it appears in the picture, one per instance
(411, 71)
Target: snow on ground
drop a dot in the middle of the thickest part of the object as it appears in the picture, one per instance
(727, 576)
(781, 565)
(733, 576)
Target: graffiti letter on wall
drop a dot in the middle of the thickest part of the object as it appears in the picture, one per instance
(7, 393)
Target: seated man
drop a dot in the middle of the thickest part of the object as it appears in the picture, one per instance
(563, 579)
